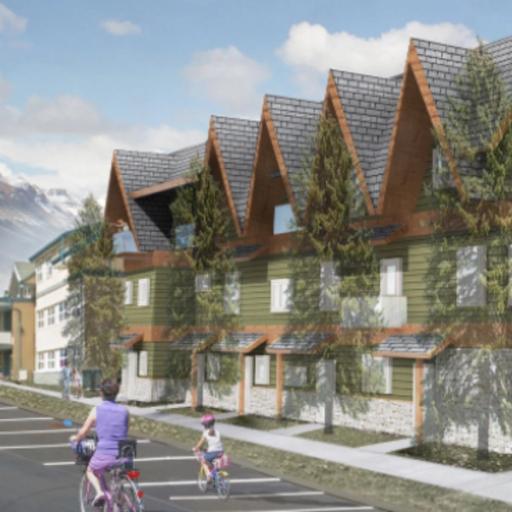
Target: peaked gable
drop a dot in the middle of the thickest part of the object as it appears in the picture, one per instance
(234, 142)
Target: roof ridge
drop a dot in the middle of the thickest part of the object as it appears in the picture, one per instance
(465, 48)
(498, 41)
(232, 118)
(281, 96)
(392, 78)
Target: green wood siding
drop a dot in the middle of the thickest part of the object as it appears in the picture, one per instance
(166, 363)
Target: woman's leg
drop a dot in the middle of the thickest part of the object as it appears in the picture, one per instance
(95, 482)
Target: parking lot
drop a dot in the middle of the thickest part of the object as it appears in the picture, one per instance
(38, 475)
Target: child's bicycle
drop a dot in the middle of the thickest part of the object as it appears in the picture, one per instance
(119, 483)
(219, 476)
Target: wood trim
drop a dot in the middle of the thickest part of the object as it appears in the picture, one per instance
(241, 385)
(419, 389)
(392, 142)
(213, 143)
(421, 79)
(252, 183)
(333, 97)
(115, 168)
(274, 141)
(162, 187)
(279, 384)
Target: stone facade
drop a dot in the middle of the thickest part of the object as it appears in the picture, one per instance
(467, 394)
(221, 396)
(47, 378)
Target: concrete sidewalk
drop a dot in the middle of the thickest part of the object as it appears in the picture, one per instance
(484, 485)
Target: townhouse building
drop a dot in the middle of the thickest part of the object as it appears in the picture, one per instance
(51, 309)
(266, 366)
(5, 336)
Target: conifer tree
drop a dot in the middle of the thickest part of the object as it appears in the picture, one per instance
(481, 145)
(95, 291)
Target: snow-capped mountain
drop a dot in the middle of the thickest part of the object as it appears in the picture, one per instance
(30, 217)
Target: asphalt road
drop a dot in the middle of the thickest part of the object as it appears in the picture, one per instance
(37, 474)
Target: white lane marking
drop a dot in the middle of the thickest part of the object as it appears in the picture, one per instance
(47, 431)
(8, 408)
(250, 496)
(39, 418)
(177, 483)
(347, 508)
(56, 445)
(144, 459)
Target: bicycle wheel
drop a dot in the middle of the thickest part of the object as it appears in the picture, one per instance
(86, 495)
(126, 499)
(223, 486)
(202, 480)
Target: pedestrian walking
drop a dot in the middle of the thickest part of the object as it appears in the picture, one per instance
(65, 380)
(77, 383)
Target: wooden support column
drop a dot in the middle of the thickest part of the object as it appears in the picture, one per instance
(279, 384)
(241, 385)
(193, 380)
(419, 392)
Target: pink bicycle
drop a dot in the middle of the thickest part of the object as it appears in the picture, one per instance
(219, 476)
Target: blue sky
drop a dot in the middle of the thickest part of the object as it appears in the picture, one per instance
(80, 77)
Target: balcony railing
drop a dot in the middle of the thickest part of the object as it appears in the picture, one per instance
(383, 311)
(5, 340)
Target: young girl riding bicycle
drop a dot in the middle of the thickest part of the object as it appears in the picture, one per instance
(215, 448)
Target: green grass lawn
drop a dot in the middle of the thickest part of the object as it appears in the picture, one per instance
(347, 436)
(194, 413)
(460, 456)
(260, 422)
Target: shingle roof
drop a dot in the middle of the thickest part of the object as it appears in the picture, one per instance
(237, 341)
(142, 169)
(369, 103)
(382, 232)
(191, 341)
(300, 342)
(295, 122)
(237, 139)
(421, 344)
(443, 63)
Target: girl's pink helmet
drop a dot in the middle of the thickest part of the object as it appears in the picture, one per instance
(208, 420)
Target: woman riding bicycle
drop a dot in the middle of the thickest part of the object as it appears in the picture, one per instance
(111, 422)
(215, 448)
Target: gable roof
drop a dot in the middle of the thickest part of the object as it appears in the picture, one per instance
(139, 170)
(23, 270)
(294, 122)
(56, 241)
(237, 140)
(369, 104)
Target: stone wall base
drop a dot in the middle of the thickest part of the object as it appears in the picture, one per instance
(47, 378)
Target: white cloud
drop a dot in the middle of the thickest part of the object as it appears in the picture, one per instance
(69, 143)
(11, 22)
(228, 77)
(311, 50)
(120, 27)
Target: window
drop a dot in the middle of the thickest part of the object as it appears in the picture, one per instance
(212, 367)
(51, 315)
(143, 292)
(128, 292)
(40, 319)
(377, 375)
(39, 273)
(295, 376)
(391, 277)
(183, 236)
(143, 363)
(471, 266)
(50, 359)
(63, 357)
(280, 295)
(284, 219)
(261, 370)
(62, 312)
(49, 270)
(232, 294)
(40, 360)
(329, 287)
(203, 283)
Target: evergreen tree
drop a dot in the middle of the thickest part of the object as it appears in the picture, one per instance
(474, 390)
(95, 291)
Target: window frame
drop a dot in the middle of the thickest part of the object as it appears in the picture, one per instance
(143, 292)
(328, 302)
(368, 362)
(143, 363)
(266, 358)
(477, 298)
(232, 286)
(385, 263)
(277, 287)
(128, 293)
(50, 315)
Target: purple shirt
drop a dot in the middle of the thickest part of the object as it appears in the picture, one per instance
(111, 426)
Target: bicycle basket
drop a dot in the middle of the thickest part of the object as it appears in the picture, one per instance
(127, 448)
(223, 462)
(85, 450)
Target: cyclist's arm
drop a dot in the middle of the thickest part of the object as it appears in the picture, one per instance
(199, 443)
(88, 424)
